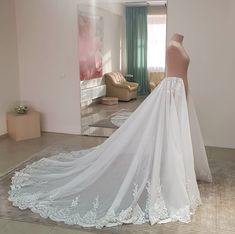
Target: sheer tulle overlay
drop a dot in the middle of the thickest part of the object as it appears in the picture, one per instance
(143, 173)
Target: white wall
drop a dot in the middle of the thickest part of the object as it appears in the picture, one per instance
(114, 7)
(209, 39)
(48, 60)
(111, 35)
(9, 82)
(112, 23)
(112, 42)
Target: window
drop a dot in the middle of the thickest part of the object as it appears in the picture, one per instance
(156, 42)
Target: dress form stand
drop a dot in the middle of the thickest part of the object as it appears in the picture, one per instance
(177, 60)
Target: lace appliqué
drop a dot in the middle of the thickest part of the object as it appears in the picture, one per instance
(155, 210)
(155, 206)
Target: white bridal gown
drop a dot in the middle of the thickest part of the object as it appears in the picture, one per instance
(145, 172)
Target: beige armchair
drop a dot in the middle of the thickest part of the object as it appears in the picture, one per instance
(154, 79)
(117, 86)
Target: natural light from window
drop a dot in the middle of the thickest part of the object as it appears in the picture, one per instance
(156, 42)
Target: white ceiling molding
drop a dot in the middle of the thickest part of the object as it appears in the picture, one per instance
(145, 3)
(128, 2)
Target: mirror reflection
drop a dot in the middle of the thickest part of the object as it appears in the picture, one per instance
(121, 59)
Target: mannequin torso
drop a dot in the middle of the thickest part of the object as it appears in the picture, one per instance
(177, 60)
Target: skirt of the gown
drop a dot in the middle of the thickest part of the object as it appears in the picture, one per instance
(143, 173)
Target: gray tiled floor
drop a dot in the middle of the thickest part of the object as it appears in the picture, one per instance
(96, 112)
(216, 215)
(13, 153)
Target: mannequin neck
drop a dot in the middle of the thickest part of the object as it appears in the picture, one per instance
(178, 38)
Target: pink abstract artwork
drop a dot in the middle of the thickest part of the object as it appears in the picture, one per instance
(90, 47)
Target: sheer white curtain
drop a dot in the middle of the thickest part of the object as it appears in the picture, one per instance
(156, 42)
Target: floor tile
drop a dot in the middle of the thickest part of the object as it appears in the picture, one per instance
(3, 223)
(215, 216)
(58, 230)
(14, 227)
(97, 111)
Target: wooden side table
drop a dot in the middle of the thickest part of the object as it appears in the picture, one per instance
(23, 126)
(109, 101)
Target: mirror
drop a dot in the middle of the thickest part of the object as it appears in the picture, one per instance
(110, 81)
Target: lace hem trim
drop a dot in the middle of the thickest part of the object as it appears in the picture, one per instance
(155, 211)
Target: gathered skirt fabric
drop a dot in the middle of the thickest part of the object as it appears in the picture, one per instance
(145, 172)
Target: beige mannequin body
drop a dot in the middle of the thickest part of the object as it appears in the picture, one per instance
(177, 60)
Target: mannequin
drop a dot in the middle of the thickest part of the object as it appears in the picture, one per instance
(177, 60)
(120, 181)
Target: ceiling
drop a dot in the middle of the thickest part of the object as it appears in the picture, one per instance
(130, 2)
(135, 2)
(144, 2)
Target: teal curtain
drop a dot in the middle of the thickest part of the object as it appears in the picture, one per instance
(136, 36)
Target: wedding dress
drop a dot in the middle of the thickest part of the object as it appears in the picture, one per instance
(145, 172)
